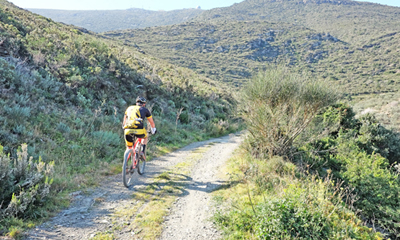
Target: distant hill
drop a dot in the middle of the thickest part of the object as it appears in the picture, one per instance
(353, 44)
(351, 21)
(107, 20)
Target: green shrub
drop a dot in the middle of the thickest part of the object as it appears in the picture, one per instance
(338, 116)
(361, 152)
(106, 138)
(309, 211)
(18, 113)
(24, 183)
(6, 74)
(105, 144)
(339, 124)
(184, 117)
(376, 186)
(62, 127)
(373, 137)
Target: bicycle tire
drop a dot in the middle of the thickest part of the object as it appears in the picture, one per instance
(141, 165)
(127, 170)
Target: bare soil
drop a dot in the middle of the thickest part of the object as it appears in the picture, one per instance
(189, 218)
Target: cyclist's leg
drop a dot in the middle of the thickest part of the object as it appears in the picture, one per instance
(129, 140)
(145, 141)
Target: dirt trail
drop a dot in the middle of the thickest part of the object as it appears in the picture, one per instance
(91, 212)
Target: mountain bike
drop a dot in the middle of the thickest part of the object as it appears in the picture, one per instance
(133, 159)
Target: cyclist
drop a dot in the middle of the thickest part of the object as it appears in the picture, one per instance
(133, 123)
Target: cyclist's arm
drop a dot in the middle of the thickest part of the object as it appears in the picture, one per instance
(151, 121)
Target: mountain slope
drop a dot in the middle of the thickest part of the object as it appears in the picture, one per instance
(352, 44)
(108, 20)
(91, 72)
(232, 51)
(350, 21)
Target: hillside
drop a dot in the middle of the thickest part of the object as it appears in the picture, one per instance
(80, 73)
(353, 44)
(351, 21)
(63, 92)
(108, 20)
(232, 51)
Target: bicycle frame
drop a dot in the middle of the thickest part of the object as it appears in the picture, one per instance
(135, 147)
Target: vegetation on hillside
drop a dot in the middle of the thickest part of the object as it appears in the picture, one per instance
(350, 21)
(368, 61)
(239, 49)
(109, 20)
(339, 180)
(365, 156)
(350, 44)
(64, 92)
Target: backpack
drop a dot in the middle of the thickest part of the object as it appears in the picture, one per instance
(133, 119)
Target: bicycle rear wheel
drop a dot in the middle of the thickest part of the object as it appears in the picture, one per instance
(141, 165)
(127, 168)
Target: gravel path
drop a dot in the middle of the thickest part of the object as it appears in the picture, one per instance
(91, 211)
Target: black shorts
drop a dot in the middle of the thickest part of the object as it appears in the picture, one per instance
(131, 137)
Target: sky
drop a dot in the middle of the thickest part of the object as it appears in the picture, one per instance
(155, 5)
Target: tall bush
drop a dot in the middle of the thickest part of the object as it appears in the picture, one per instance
(278, 105)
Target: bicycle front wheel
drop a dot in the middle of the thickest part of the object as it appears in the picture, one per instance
(127, 168)
(141, 165)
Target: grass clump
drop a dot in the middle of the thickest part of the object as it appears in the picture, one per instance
(103, 236)
(278, 106)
